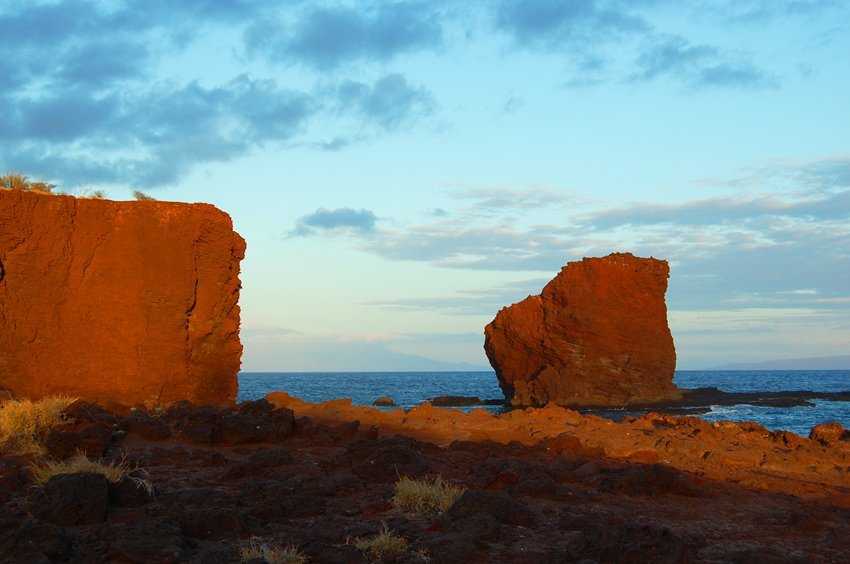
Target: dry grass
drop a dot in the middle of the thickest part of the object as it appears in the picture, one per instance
(271, 553)
(114, 471)
(24, 424)
(385, 543)
(430, 495)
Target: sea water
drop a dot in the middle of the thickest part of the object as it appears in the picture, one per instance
(409, 389)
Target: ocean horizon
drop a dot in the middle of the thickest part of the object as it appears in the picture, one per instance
(409, 389)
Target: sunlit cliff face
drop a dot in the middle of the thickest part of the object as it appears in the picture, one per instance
(597, 335)
(123, 302)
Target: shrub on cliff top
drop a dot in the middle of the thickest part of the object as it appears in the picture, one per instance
(17, 181)
(425, 496)
(142, 197)
(24, 424)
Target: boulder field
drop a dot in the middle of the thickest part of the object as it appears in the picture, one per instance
(597, 335)
(118, 302)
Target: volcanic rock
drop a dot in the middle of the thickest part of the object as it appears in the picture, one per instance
(73, 499)
(118, 302)
(384, 401)
(596, 335)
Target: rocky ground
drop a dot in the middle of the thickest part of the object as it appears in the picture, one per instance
(545, 485)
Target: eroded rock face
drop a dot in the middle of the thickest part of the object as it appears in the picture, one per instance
(118, 302)
(596, 335)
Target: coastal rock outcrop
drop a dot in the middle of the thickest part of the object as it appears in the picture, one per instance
(596, 335)
(118, 302)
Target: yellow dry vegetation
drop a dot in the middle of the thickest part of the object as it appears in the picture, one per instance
(24, 424)
(114, 471)
(270, 552)
(17, 181)
(385, 543)
(430, 495)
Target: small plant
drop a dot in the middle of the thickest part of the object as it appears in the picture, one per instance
(430, 495)
(142, 197)
(24, 424)
(114, 471)
(271, 553)
(95, 195)
(17, 181)
(385, 543)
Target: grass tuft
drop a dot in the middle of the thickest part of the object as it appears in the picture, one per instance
(385, 543)
(271, 553)
(430, 495)
(24, 424)
(114, 471)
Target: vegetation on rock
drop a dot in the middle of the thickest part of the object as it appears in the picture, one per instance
(142, 197)
(113, 471)
(429, 495)
(270, 552)
(24, 424)
(17, 181)
(384, 543)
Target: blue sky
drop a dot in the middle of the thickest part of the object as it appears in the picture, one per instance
(401, 170)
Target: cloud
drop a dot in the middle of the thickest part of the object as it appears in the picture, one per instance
(700, 65)
(591, 36)
(100, 64)
(769, 250)
(814, 177)
(496, 198)
(59, 117)
(345, 219)
(476, 302)
(548, 23)
(79, 102)
(326, 38)
(390, 102)
(718, 211)
(170, 129)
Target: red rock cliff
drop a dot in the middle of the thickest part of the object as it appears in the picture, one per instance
(125, 302)
(596, 335)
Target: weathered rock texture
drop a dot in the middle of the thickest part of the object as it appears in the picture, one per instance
(119, 302)
(596, 335)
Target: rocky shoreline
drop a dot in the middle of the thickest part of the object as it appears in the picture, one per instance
(542, 485)
(693, 401)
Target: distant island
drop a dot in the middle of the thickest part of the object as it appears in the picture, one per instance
(811, 363)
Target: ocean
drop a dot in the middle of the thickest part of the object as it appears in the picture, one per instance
(409, 389)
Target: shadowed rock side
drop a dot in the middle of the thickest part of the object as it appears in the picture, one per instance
(120, 302)
(597, 335)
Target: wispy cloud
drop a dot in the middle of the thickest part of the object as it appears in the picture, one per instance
(723, 211)
(789, 250)
(478, 302)
(340, 219)
(699, 65)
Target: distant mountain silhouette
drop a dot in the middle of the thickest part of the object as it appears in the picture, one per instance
(811, 363)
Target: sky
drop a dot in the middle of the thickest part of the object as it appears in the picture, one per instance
(402, 170)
